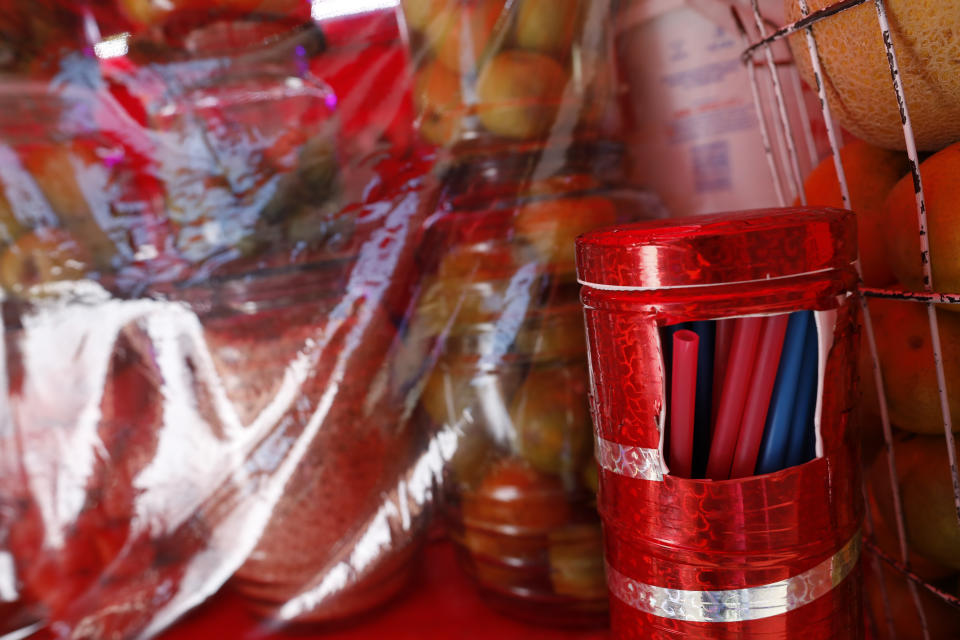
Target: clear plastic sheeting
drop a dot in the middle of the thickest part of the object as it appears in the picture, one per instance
(209, 246)
(241, 242)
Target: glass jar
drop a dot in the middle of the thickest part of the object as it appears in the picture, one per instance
(499, 320)
(490, 72)
(521, 482)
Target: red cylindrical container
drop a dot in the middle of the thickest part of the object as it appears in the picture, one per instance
(771, 556)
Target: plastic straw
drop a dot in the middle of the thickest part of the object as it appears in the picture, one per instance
(724, 338)
(758, 401)
(683, 407)
(666, 346)
(702, 421)
(736, 384)
(801, 430)
(776, 435)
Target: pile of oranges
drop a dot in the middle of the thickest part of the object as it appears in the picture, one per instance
(926, 38)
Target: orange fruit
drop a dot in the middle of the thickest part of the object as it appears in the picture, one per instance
(871, 173)
(942, 620)
(926, 38)
(438, 100)
(552, 226)
(926, 492)
(576, 561)
(931, 517)
(555, 334)
(910, 452)
(460, 36)
(519, 94)
(516, 499)
(906, 360)
(551, 421)
(420, 13)
(547, 26)
(941, 188)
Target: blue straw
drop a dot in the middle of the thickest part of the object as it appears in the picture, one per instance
(776, 434)
(801, 430)
(707, 332)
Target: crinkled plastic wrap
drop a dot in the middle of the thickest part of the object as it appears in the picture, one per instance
(772, 555)
(210, 223)
(241, 242)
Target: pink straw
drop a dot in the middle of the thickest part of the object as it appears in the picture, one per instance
(736, 383)
(721, 355)
(761, 388)
(683, 396)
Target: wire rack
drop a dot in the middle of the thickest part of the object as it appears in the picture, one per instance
(758, 42)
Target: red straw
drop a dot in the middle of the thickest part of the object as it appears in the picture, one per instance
(761, 388)
(736, 383)
(721, 354)
(683, 396)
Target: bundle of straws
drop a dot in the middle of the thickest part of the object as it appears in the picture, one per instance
(741, 395)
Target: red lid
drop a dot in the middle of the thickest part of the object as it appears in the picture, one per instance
(718, 249)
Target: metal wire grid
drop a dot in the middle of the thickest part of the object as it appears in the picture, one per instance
(928, 296)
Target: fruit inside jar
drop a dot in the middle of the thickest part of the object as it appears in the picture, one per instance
(510, 383)
(521, 509)
(499, 323)
(494, 72)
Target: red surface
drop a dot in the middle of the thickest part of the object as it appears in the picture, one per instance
(719, 249)
(702, 535)
(441, 604)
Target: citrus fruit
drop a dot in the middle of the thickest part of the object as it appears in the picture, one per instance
(547, 26)
(516, 498)
(519, 94)
(871, 173)
(926, 492)
(906, 360)
(895, 600)
(885, 535)
(550, 418)
(438, 100)
(926, 38)
(576, 561)
(552, 226)
(941, 190)
(419, 13)
(461, 35)
(931, 517)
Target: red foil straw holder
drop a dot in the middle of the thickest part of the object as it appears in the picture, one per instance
(699, 555)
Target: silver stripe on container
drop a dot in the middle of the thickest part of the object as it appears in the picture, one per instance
(639, 463)
(738, 605)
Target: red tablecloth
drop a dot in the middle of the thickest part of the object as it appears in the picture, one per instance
(442, 604)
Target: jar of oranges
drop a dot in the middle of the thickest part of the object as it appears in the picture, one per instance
(500, 314)
(514, 71)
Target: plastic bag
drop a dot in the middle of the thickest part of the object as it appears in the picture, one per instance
(209, 244)
(221, 229)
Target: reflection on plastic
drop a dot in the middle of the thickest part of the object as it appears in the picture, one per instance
(112, 47)
(321, 10)
(207, 253)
